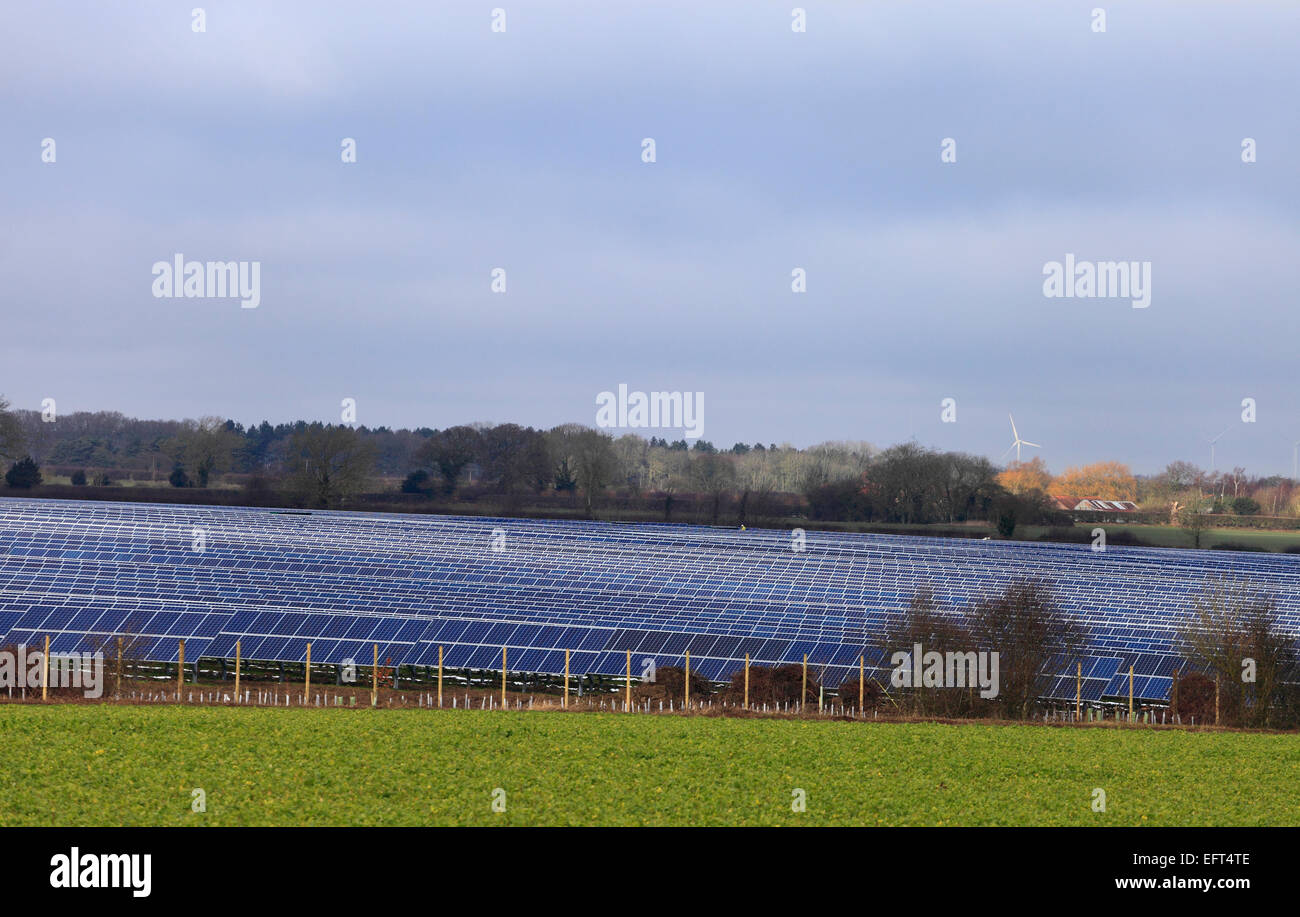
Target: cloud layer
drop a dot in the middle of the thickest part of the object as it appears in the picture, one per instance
(775, 150)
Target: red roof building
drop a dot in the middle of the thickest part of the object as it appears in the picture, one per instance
(1094, 505)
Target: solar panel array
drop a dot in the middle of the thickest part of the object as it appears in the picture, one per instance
(85, 572)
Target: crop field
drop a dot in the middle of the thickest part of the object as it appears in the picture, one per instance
(134, 765)
(1166, 536)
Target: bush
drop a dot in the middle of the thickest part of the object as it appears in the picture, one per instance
(871, 693)
(79, 478)
(23, 473)
(841, 501)
(258, 489)
(1233, 546)
(772, 685)
(102, 479)
(1245, 506)
(178, 477)
(670, 684)
(1195, 698)
(417, 482)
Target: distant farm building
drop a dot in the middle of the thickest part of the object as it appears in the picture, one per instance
(1094, 505)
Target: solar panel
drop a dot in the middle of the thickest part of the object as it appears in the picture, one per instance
(82, 572)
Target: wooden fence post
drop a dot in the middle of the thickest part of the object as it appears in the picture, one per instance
(374, 679)
(306, 686)
(237, 671)
(803, 695)
(688, 679)
(45, 670)
(119, 666)
(1130, 694)
(439, 675)
(629, 681)
(862, 681)
(1078, 689)
(564, 701)
(503, 678)
(180, 670)
(747, 681)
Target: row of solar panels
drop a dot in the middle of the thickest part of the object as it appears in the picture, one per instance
(759, 608)
(301, 541)
(596, 589)
(389, 531)
(337, 639)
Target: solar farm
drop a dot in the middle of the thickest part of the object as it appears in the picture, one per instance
(415, 586)
(406, 587)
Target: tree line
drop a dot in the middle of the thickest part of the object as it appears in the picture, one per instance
(850, 481)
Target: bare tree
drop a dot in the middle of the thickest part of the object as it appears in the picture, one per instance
(715, 475)
(633, 461)
(449, 451)
(1234, 635)
(961, 481)
(11, 433)
(924, 624)
(1026, 627)
(1194, 523)
(328, 465)
(515, 458)
(204, 446)
(596, 464)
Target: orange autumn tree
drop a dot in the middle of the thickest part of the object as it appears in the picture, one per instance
(1103, 480)
(1024, 477)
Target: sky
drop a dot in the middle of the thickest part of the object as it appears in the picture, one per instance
(774, 150)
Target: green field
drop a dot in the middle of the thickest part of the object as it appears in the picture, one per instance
(1165, 536)
(138, 765)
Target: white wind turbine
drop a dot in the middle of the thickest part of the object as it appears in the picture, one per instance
(1017, 441)
(1212, 442)
(1295, 459)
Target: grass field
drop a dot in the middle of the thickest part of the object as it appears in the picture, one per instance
(134, 765)
(1165, 536)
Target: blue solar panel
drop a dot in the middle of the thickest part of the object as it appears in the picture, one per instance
(81, 572)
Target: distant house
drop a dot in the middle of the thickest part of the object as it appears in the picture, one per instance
(1094, 505)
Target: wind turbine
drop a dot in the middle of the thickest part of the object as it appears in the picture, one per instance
(1212, 442)
(1018, 442)
(1295, 459)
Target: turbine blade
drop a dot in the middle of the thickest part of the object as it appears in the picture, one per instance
(1013, 426)
(1025, 442)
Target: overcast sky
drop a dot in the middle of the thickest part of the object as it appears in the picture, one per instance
(774, 150)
